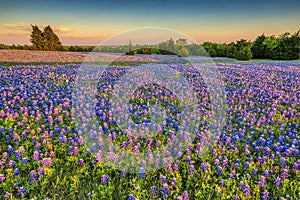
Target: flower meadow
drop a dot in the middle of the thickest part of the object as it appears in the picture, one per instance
(45, 153)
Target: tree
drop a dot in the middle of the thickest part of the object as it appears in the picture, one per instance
(221, 50)
(183, 52)
(241, 44)
(286, 47)
(231, 50)
(211, 48)
(26, 47)
(51, 40)
(36, 38)
(270, 43)
(244, 54)
(259, 48)
(212, 52)
(46, 40)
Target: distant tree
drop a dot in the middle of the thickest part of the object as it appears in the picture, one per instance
(168, 45)
(244, 53)
(211, 48)
(270, 43)
(183, 52)
(146, 50)
(51, 40)
(241, 44)
(181, 42)
(286, 47)
(231, 50)
(180, 47)
(36, 38)
(4, 46)
(212, 52)
(71, 48)
(221, 50)
(259, 47)
(26, 47)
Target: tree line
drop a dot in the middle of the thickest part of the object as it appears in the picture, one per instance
(283, 47)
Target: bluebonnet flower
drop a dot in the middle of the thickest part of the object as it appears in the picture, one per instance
(163, 179)
(222, 182)
(33, 176)
(220, 171)
(81, 162)
(174, 182)
(205, 167)
(262, 181)
(247, 190)
(10, 149)
(11, 163)
(2, 178)
(70, 150)
(165, 189)
(104, 179)
(185, 196)
(11, 130)
(131, 197)
(7, 138)
(123, 173)
(88, 195)
(282, 161)
(246, 165)
(277, 181)
(16, 172)
(5, 155)
(265, 195)
(142, 173)
(154, 190)
(236, 197)
(41, 171)
(22, 191)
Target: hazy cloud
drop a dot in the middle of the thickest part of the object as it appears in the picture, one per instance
(18, 27)
(25, 27)
(63, 29)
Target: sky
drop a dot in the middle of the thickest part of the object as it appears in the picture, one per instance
(92, 22)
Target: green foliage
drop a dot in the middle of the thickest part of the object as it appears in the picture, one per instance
(183, 52)
(283, 47)
(212, 53)
(36, 38)
(47, 40)
(259, 47)
(51, 41)
(3, 46)
(244, 54)
(146, 50)
(130, 53)
(286, 47)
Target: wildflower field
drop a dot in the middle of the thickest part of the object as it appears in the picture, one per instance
(46, 154)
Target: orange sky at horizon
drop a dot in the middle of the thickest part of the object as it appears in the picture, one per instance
(78, 37)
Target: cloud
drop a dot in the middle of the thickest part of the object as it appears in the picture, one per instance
(26, 27)
(17, 27)
(63, 29)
